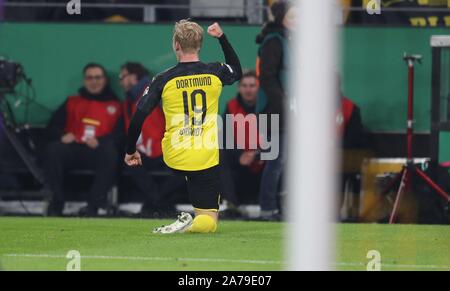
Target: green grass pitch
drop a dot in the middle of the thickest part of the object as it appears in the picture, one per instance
(127, 244)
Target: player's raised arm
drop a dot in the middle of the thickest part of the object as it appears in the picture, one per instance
(232, 70)
(149, 100)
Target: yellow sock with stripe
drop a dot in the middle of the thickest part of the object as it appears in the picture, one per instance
(203, 224)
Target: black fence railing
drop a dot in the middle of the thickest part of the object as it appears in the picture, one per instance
(248, 11)
(236, 11)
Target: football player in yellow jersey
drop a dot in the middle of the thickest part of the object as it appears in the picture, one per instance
(189, 93)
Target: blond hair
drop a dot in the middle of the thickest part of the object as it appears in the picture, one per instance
(189, 35)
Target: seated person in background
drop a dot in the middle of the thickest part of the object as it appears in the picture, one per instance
(351, 131)
(349, 124)
(134, 78)
(83, 135)
(241, 166)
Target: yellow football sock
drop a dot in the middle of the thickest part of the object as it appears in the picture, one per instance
(203, 224)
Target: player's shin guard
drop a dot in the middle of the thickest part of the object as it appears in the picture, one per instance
(203, 224)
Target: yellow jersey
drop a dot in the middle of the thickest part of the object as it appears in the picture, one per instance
(189, 93)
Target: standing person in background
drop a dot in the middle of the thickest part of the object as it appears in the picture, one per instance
(134, 78)
(271, 68)
(84, 133)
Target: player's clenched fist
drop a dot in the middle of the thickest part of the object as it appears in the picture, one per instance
(133, 160)
(215, 30)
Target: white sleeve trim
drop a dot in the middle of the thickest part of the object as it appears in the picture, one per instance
(229, 68)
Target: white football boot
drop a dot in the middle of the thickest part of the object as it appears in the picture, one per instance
(182, 224)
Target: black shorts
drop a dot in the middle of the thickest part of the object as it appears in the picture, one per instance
(203, 187)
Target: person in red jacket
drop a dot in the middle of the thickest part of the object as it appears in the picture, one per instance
(349, 125)
(349, 122)
(83, 134)
(134, 78)
(241, 167)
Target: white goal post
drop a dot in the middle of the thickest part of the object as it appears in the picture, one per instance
(312, 154)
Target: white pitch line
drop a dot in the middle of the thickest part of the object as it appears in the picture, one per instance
(219, 260)
(399, 266)
(216, 260)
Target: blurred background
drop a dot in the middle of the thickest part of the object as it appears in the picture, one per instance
(49, 49)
